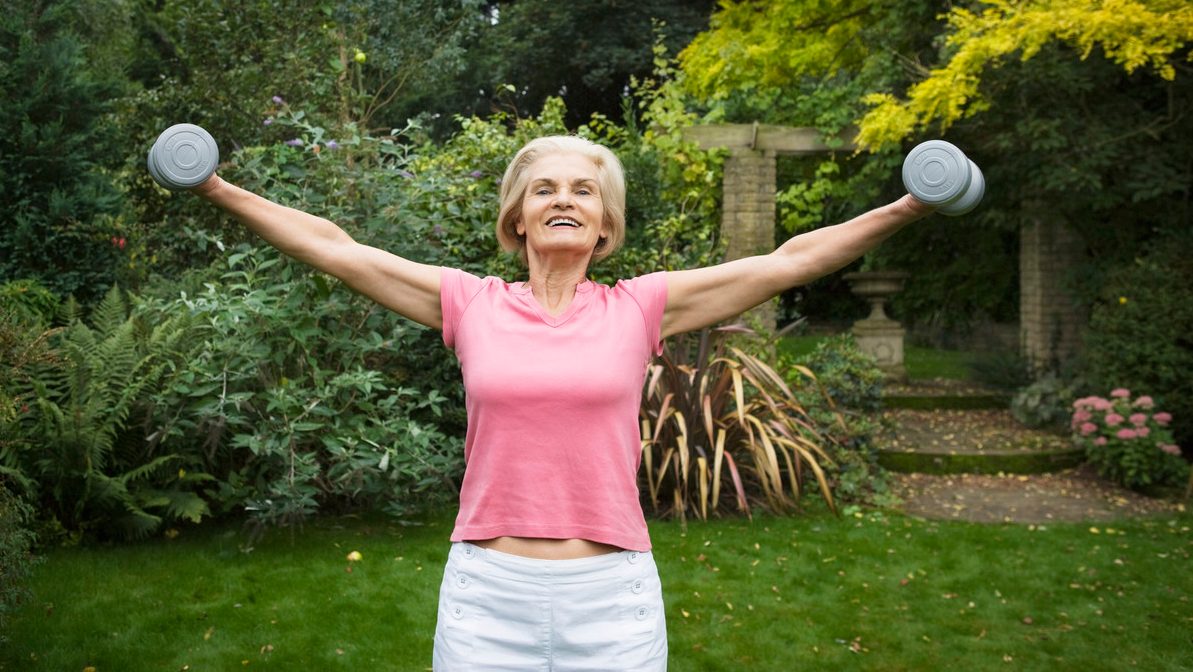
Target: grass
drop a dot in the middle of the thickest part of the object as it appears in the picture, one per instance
(920, 362)
(870, 590)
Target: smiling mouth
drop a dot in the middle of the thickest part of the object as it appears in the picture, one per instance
(563, 221)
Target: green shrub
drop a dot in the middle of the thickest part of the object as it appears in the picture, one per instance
(1141, 330)
(1001, 369)
(16, 553)
(1046, 403)
(849, 376)
(303, 395)
(845, 404)
(29, 299)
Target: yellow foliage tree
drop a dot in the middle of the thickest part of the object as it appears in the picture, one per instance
(1132, 33)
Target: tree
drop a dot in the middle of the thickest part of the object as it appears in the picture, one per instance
(1134, 34)
(584, 52)
(55, 146)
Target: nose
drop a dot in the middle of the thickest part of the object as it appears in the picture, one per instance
(563, 199)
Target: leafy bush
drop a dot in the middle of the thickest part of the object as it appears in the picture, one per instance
(24, 349)
(16, 553)
(303, 395)
(28, 299)
(849, 376)
(1046, 403)
(844, 403)
(710, 408)
(1128, 441)
(1001, 369)
(1141, 330)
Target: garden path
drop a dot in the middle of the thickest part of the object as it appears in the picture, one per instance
(1068, 495)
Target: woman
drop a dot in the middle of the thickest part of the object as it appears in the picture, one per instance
(550, 566)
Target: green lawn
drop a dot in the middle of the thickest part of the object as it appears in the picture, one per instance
(920, 362)
(870, 590)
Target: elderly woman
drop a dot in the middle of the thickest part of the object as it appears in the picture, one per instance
(550, 566)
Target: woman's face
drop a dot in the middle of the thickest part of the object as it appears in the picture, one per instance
(562, 210)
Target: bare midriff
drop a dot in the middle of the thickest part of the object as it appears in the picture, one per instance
(546, 549)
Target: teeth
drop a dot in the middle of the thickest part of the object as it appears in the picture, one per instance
(563, 222)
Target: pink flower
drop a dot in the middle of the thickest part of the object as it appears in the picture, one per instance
(1088, 428)
(1139, 419)
(1162, 418)
(1126, 433)
(1082, 416)
(1120, 393)
(1100, 441)
(1113, 419)
(1171, 448)
(1101, 404)
(1144, 402)
(1142, 432)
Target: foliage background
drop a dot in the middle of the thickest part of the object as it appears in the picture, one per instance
(395, 119)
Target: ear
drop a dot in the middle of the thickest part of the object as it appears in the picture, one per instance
(520, 227)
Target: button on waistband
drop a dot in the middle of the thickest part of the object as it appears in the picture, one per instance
(636, 586)
(633, 557)
(463, 581)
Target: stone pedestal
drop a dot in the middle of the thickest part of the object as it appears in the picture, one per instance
(878, 335)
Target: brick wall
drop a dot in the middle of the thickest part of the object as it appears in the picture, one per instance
(1050, 321)
(748, 214)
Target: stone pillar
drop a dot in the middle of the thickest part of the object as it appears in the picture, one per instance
(748, 215)
(1050, 319)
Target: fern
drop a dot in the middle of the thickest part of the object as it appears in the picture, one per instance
(93, 472)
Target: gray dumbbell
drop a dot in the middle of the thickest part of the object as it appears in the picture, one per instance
(937, 173)
(183, 157)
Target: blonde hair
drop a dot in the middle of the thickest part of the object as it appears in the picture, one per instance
(610, 181)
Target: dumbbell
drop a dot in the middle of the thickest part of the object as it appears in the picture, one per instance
(938, 173)
(183, 157)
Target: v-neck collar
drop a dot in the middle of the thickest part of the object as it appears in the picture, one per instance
(524, 292)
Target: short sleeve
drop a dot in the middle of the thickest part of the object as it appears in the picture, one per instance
(650, 293)
(456, 291)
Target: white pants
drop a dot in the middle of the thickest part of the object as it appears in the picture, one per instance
(504, 612)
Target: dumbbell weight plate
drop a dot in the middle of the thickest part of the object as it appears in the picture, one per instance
(972, 196)
(936, 172)
(183, 156)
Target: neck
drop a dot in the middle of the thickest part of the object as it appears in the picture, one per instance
(554, 287)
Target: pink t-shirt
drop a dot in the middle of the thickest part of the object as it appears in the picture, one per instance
(553, 445)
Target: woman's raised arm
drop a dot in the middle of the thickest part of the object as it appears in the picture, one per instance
(703, 297)
(408, 288)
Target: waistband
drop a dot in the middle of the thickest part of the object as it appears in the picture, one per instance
(516, 567)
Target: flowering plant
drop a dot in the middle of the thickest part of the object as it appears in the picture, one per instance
(1127, 440)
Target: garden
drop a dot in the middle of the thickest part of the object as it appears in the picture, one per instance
(214, 457)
